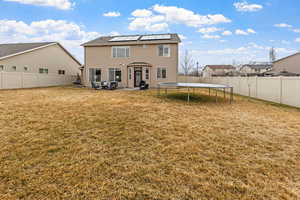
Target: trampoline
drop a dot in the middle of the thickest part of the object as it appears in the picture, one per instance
(189, 86)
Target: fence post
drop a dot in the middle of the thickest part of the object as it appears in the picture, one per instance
(22, 79)
(1, 83)
(256, 86)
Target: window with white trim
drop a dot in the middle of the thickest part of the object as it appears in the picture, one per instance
(43, 70)
(95, 75)
(14, 68)
(25, 69)
(161, 72)
(120, 52)
(1, 67)
(129, 73)
(164, 50)
(147, 74)
(115, 74)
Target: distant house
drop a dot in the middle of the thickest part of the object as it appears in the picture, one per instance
(290, 64)
(24, 65)
(130, 59)
(255, 68)
(217, 70)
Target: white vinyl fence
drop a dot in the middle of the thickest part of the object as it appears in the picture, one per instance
(284, 90)
(15, 80)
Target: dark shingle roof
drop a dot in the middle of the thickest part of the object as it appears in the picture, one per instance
(105, 40)
(10, 49)
(258, 66)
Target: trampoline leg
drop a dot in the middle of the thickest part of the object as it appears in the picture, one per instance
(166, 92)
(209, 91)
(188, 95)
(158, 91)
(216, 96)
(224, 93)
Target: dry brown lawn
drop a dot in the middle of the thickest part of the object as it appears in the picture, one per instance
(69, 143)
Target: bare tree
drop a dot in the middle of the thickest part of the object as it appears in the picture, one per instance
(272, 55)
(187, 63)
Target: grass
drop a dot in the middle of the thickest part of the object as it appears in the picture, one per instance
(69, 143)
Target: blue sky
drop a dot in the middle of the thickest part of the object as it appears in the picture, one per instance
(214, 31)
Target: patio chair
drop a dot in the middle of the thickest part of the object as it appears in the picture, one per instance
(144, 85)
(95, 85)
(104, 85)
(113, 85)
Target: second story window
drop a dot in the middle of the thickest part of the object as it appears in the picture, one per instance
(120, 52)
(164, 50)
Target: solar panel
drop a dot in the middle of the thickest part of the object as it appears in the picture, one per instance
(156, 37)
(124, 38)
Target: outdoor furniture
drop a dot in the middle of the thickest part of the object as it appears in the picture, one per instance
(109, 85)
(113, 85)
(104, 85)
(95, 85)
(144, 85)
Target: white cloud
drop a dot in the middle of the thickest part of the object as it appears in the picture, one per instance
(67, 33)
(241, 32)
(209, 30)
(143, 19)
(207, 36)
(283, 25)
(174, 14)
(152, 24)
(59, 4)
(296, 30)
(112, 14)
(182, 37)
(141, 13)
(244, 6)
(249, 30)
(297, 40)
(227, 33)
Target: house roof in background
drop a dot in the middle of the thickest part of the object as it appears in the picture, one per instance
(258, 66)
(287, 57)
(220, 66)
(14, 49)
(135, 40)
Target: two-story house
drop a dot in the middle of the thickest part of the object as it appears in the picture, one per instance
(132, 58)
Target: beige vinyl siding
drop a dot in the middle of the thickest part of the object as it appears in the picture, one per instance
(102, 57)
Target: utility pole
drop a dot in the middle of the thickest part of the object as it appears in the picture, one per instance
(197, 69)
